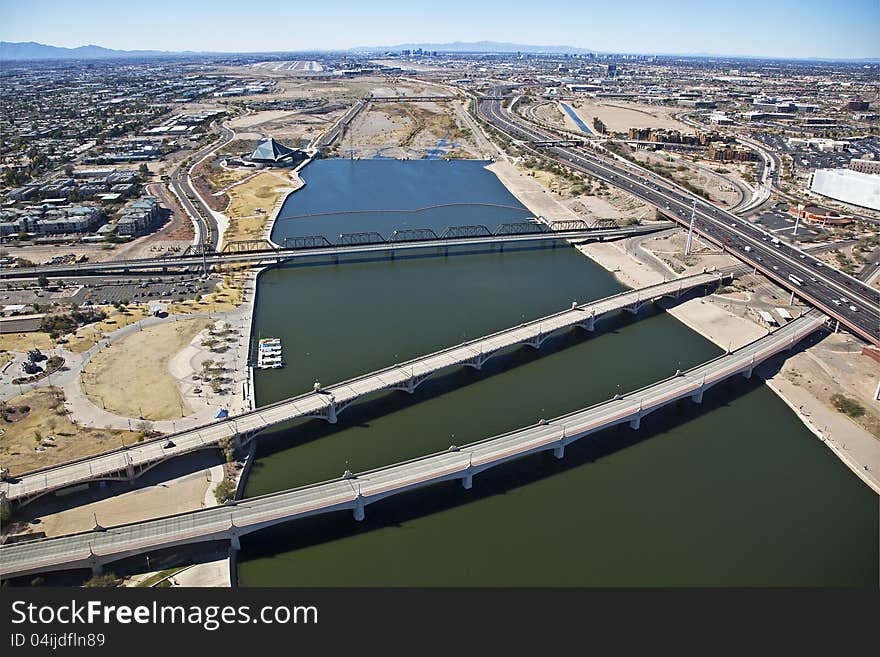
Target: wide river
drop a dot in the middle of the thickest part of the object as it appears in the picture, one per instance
(735, 491)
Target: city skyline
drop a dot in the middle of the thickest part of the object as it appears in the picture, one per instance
(786, 30)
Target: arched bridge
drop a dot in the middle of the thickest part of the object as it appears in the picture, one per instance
(326, 404)
(355, 492)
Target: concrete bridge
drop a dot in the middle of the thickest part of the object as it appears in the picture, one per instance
(94, 549)
(327, 403)
(311, 247)
(409, 99)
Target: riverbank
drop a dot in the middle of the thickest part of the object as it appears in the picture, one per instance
(857, 448)
(299, 183)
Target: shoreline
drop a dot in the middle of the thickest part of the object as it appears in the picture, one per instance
(714, 323)
(280, 202)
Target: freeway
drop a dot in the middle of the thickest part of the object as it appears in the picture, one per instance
(843, 297)
(326, 403)
(274, 256)
(207, 231)
(354, 492)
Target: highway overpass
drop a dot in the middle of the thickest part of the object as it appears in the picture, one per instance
(843, 297)
(326, 404)
(94, 549)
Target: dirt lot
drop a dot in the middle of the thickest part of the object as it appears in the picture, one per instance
(140, 361)
(589, 199)
(47, 417)
(620, 116)
(409, 130)
(707, 183)
(670, 249)
(836, 365)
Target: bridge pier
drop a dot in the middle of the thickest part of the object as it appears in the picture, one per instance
(591, 324)
(129, 470)
(635, 423)
(559, 450)
(748, 373)
(359, 514)
(97, 569)
(477, 362)
(331, 412)
(467, 482)
(234, 542)
(697, 397)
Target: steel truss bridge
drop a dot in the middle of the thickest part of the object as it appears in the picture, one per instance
(256, 252)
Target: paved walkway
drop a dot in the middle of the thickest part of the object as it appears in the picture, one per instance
(84, 412)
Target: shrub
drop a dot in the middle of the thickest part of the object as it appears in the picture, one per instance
(107, 580)
(847, 405)
(225, 491)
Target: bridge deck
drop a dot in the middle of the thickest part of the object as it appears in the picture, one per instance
(230, 521)
(130, 462)
(284, 255)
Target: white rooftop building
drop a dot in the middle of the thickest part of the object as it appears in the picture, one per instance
(862, 189)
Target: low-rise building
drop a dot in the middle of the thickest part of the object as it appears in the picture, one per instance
(865, 166)
(47, 219)
(140, 217)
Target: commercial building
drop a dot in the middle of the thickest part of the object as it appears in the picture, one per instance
(865, 166)
(862, 189)
(819, 215)
(856, 105)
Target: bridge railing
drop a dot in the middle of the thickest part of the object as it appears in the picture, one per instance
(188, 520)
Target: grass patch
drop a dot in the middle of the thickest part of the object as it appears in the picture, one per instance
(157, 577)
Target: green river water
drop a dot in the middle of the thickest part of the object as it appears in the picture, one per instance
(735, 491)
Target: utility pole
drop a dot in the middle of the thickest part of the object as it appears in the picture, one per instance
(690, 237)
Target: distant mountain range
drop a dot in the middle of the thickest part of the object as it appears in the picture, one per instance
(11, 51)
(477, 46)
(30, 50)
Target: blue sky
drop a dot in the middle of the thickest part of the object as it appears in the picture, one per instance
(773, 28)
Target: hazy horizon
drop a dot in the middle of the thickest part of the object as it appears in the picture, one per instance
(787, 29)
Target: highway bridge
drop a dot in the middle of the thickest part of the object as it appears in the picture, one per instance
(94, 549)
(326, 139)
(409, 99)
(315, 246)
(327, 403)
(845, 298)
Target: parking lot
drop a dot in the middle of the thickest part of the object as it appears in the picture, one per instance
(97, 291)
(812, 158)
(779, 222)
(140, 292)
